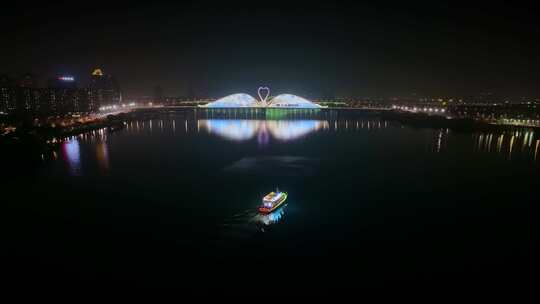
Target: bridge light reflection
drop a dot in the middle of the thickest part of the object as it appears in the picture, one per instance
(241, 130)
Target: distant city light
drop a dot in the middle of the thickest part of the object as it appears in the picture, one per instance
(66, 78)
(115, 107)
(97, 72)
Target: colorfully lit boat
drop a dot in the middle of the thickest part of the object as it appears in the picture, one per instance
(272, 201)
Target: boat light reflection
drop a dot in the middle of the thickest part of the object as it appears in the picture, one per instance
(271, 218)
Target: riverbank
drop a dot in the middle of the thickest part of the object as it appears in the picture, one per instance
(422, 120)
(31, 144)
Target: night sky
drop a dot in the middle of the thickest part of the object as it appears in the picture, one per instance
(303, 48)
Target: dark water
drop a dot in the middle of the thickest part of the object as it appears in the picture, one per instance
(171, 203)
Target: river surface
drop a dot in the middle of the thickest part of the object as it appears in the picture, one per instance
(171, 202)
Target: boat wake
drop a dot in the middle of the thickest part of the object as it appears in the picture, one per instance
(248, 223)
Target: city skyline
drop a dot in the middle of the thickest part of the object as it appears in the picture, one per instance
(58, 95)
(311, 50)
(32, 80)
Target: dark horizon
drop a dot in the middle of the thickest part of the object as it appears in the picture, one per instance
(302, 48)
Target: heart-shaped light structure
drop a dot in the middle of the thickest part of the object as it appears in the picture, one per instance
(266, 92)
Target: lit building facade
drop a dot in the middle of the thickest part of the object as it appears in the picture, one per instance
(7, 95)
(62, 96)
(27, 95)
(103, 90)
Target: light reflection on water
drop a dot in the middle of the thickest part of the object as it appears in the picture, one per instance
(508, 143)
(236, 130)
(72, 155)
(271, 218)
(245, 129)
(71, 150)
(286, 130)
(102, 155)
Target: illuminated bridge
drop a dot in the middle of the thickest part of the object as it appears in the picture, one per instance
(282, 101)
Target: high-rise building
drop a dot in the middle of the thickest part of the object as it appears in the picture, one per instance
(84, 104)
(62, 95)
(7, 94)
(104, 90)
(27, 94)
